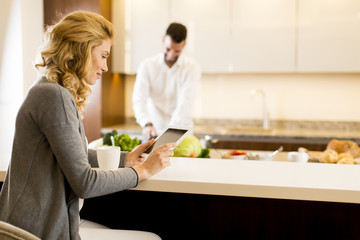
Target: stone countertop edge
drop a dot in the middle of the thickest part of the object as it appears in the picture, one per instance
(278, 180)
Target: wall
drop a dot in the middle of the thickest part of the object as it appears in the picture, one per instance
(310, 97)
(54, 11)
(20, 37)
(292, 96)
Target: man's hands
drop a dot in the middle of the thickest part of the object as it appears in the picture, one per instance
(149, 131)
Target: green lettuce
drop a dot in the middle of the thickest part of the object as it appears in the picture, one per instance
(189, 147)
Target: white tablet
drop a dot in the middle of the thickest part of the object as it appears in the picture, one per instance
(169, 136)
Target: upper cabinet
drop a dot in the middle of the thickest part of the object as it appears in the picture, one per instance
(329, 36)
(263, 35)
(208, 25)
(140, 26)
(243, 36)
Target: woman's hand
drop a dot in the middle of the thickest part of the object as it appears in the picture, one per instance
(157, 160)
(134, 157)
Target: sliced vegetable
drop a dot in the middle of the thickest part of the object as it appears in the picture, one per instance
(236, 152)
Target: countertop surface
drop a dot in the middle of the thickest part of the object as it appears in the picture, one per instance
(264, 179)
(253, 178)
(278, 179)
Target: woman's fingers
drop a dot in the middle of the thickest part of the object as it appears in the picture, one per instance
(140, 159)
(167, 147)
(142, 147)
(169, 153)
(164, 151)
(158, 159)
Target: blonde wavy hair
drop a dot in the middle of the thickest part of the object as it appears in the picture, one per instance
(66, 54)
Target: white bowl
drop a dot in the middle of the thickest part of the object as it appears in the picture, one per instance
(238, 157)
(264, 156)
(301, 157)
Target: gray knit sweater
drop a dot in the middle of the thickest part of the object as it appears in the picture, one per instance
(51, 167)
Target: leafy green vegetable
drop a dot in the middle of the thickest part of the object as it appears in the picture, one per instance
(123, 141)
(205, 153)
(107, 137)
(189, 147)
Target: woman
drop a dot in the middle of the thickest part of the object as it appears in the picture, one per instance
(50, 167)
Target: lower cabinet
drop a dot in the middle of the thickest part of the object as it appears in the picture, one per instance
(195, 216)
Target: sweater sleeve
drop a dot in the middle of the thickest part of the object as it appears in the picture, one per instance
(61, 126)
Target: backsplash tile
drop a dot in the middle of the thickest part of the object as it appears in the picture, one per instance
(280, 124)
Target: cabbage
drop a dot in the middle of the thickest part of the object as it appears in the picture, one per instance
(189, 147)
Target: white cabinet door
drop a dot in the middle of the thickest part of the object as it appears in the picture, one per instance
(140, 26)
(208, 25)
(329, 36)
(243, 35)
(263, 35)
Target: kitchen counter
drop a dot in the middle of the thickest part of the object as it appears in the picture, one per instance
(278, 179)
(238, 199)
(263, 179)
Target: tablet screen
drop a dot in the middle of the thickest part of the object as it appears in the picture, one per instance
(169, 136)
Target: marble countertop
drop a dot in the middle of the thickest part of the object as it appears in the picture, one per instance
(278, 179)
(264, 179)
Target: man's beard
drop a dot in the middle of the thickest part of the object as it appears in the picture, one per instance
(170, 62)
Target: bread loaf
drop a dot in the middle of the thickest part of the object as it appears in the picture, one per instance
(329, 156)
(344, 146)
(345, 158)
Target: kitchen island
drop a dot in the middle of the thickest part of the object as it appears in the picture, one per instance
(238, 199)
(254, 178)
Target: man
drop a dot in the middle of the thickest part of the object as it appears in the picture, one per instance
(165, 86)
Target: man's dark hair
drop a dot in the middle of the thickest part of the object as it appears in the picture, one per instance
(177, 32)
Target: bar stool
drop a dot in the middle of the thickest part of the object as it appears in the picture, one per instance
(93, 231)
(11, 232)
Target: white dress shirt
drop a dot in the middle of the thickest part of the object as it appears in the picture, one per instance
(165, 96)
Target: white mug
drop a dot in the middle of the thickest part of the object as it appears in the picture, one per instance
(108, 157)
(298, 156)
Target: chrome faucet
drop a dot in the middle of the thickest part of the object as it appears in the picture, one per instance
(265, 112)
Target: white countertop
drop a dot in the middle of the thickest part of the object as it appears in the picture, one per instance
(265, 179)
(253, 178)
